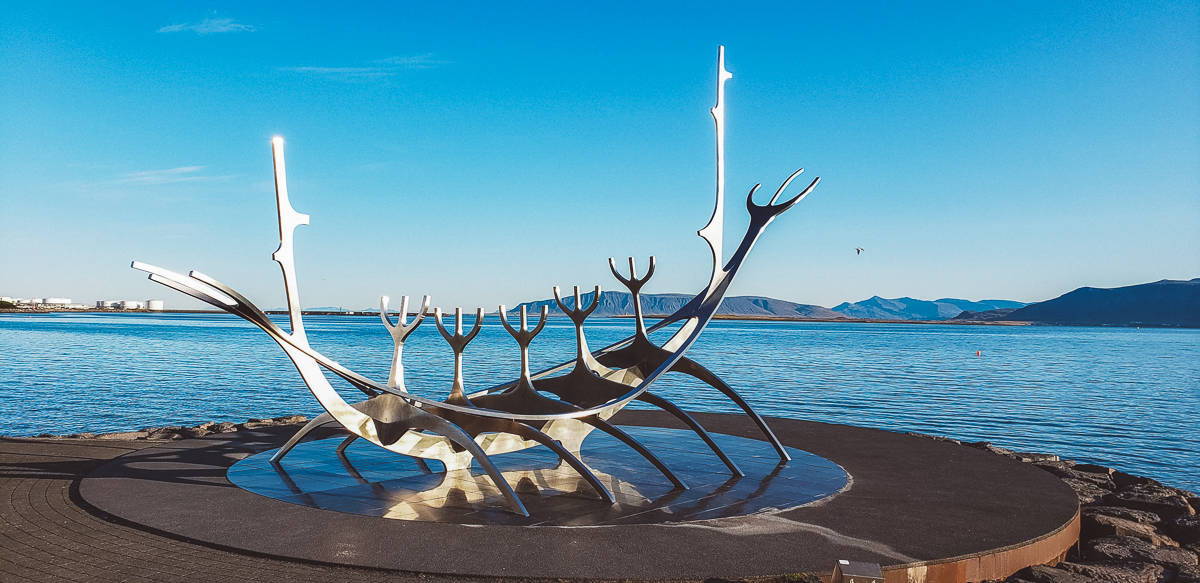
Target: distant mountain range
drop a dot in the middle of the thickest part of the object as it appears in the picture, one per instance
(1162, 303)
(877, 308)
(614, 303)
(617, 303)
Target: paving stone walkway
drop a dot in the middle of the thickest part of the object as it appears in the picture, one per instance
(46, 535)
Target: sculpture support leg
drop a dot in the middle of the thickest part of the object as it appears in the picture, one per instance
(341, 452)
(627, 439)
(690, 367)
(318, 421)
(341, 448)
(573, 461)
(682, 415)
(456, 435)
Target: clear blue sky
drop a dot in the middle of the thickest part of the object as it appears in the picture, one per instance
(482, 153)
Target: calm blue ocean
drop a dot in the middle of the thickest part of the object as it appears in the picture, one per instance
(1123, 397)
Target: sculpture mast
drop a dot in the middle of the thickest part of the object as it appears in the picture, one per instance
(289, 219)
(714, 231)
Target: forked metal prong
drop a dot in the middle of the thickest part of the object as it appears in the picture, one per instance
(541, 321)
(458, 343)
(524, 335)
(650, 271)
(750, 204)
(785, 184)
(400, 332)
(458, 340)
(633, 281)
(577, 312)
(772, 207)
(617, 274)
(634, 284)
(402, 325)
(799, 197)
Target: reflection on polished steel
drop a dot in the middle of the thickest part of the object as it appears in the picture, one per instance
(556, 408)
(370, 481)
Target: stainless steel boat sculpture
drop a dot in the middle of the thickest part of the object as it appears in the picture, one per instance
(556, 408)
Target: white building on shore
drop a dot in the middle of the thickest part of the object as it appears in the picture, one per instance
(66, 304)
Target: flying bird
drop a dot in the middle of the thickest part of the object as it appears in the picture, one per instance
(858, 250)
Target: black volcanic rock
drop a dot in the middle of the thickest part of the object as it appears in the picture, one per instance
(1132, 572)
(1185, 529)
(616, 303)
(1129, 549)
(1162, 303)
(1166, 502)
(1047, 574)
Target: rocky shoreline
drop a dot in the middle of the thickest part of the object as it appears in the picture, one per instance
(173, 432)
(1133, 529)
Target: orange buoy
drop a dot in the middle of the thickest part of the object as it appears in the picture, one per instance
(978, 353)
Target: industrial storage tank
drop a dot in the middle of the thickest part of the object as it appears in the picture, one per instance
(154, 305)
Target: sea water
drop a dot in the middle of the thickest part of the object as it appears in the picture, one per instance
(1122, 397)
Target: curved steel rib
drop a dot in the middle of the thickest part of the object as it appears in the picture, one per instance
(251, 313)
(440, 426)
(318, 421)
(695, 426)
(690, 367)
(627, 439)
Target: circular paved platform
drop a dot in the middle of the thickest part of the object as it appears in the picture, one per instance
(925, 509)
